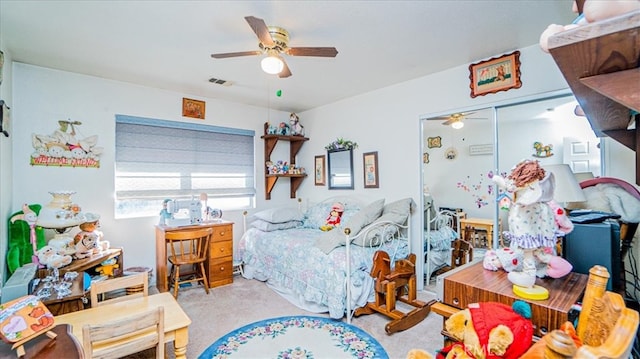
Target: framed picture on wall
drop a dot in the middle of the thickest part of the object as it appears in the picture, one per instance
(370, 164)
(496, 74)
(193, 108)
(319, 170)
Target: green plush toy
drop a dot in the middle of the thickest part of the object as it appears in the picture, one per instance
(20, 251)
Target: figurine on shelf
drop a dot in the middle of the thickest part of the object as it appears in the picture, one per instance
(296, 128)
(108, 267)
(91, 227)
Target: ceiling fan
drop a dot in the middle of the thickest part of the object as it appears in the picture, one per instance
(455, 119)
(274, 41)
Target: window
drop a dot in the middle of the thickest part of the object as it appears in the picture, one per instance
(157, 159)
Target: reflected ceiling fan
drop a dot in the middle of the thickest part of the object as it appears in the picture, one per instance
(455, 119)
(274, 41)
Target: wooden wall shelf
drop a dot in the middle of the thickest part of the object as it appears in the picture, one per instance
(295, 144)
(600, 63)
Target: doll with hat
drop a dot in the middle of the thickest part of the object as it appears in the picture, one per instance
(334, 218)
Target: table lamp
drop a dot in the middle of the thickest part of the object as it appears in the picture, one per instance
(567, 187)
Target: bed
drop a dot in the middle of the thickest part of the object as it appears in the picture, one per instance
(439, 233)
(285, 248)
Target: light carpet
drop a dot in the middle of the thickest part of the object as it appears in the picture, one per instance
(300, 337)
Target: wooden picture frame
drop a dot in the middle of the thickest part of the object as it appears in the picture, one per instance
(320, 170)
(370, 168)
(193, 108)
(496, 74)
(434, 142)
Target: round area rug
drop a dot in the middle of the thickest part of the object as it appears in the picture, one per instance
(299, 337)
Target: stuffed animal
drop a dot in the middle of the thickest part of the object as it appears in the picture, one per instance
(547, 263)
(334, 218)
(296, 128)
(592, 11)
(90, 229)
(22, 228)
(532, 223)
(108, 267)
(87, 245)
(489, 330)
(418, 354)
(49, 257)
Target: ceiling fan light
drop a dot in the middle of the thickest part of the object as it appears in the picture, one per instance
(272, 65)
(457, 124)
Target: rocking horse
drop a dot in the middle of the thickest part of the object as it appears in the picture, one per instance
(393, 286)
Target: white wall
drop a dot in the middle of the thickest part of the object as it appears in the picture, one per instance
(386, 120)
(6, 180)
(44, 96)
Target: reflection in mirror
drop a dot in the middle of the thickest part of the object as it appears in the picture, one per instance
(340, 164)
(457, 162)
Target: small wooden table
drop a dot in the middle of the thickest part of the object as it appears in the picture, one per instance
(176, 321)
(65, 345)
(84, 264)
(483, 224)
(473, 284)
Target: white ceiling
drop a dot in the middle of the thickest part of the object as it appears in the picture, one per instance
(167, 44)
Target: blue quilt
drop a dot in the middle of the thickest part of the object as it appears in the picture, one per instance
(289, 261)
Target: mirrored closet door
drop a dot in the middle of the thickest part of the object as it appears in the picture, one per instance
(459, 160)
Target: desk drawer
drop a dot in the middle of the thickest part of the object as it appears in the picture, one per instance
(222, 233)
(220, 249)
(220, 271)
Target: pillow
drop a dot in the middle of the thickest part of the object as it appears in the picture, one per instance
(279, 215)
(316, 215)
(268, 226)
(336, 237)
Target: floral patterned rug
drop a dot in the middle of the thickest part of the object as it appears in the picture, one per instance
(299, 337)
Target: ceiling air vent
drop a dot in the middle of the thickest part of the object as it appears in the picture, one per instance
(216, 81)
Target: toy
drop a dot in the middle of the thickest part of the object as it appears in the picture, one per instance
(418, 354)
(532, 222)
(87, 245)
(335, 215)
(566, 334)
(164, 213)
(489, 330)
(20, 247)
(546, 262)
(108, 267)
(296, 128)
(48, 256)
(283, 129)
(591, 11)
(90, 229)
(392, 286)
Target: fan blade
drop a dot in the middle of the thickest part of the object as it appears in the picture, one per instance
(449, 121)
(262, 31)
(285, 71)
(312, 51)
(235, 54)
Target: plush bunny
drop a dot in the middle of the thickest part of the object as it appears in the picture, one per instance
(48, 256)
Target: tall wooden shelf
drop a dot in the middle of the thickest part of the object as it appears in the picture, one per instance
(295, 144)
(600, 63)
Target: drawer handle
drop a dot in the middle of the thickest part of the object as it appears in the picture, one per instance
(222, 269)
(456, 301)
(222, 233)
(221, 250)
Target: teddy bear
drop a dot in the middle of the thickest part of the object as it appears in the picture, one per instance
(89, 233)
(49, 257)
(334, 218)
(532, 220)
(489, 330)
(590, 11)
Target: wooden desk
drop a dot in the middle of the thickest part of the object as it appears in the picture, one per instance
(176, 321)
(219, 264)
(483, 224)
(64, 345)
(473, 283)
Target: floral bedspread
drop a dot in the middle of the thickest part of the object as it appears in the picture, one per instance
(289, 260)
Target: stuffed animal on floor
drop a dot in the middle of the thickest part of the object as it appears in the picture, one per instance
(334, 218)
(592, 11)
(489, 330)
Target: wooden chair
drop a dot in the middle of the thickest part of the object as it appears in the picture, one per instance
(461, 252)
(606, 327)
(126, 336)
(99, 289)
(188, 248)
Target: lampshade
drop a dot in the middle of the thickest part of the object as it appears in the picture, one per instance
(61, 212)
(272, 64)
(583, 176)
(457, 124)
(567, 187)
